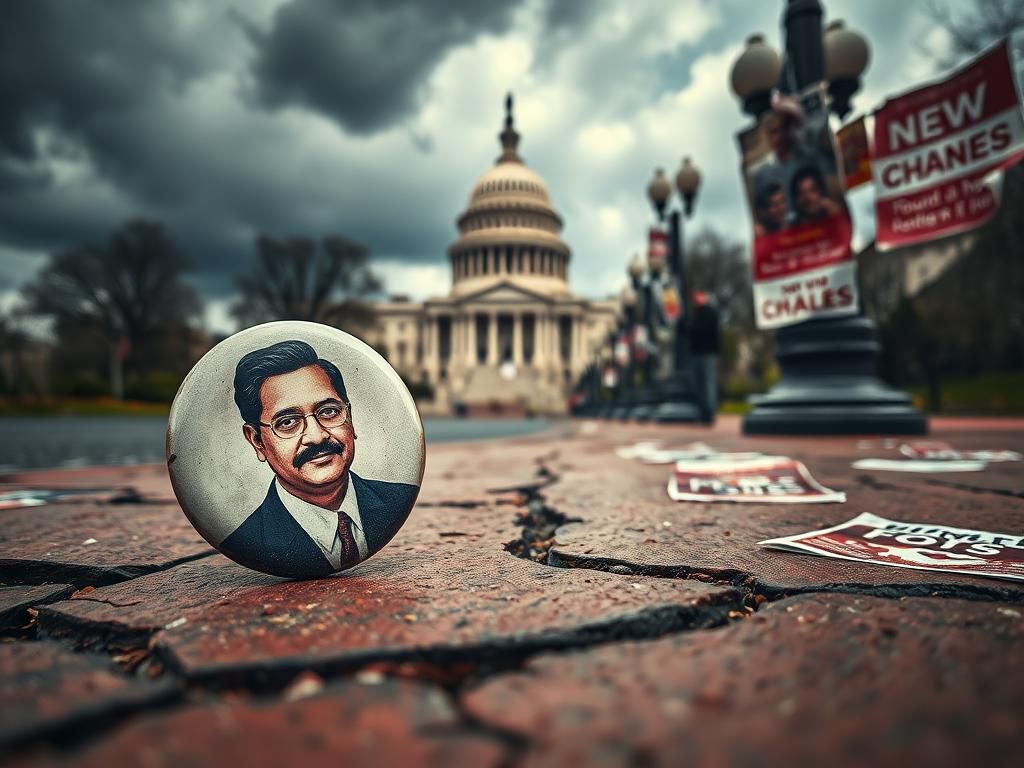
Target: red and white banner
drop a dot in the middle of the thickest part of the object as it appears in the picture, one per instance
(803, 262)
(621, 350)
(938, 151)
(935, 450)
(657, 248)
(855, 151)
(921, 546)
(766, 480)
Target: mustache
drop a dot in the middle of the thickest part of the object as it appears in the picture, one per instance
(320, 449)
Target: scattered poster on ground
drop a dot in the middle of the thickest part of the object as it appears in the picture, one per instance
(638, 449)
(651, 452)
(922, 546)
(767, 480)
(939, 151)
(935, 450)
(37, 497)
(17, 501)
(923, 466)
(802, 259)
(855, 152)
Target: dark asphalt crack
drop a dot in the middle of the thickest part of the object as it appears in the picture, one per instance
(32, 572)
(541, 523)
(975, 488)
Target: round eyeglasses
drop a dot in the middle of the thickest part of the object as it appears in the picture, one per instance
(293, 424)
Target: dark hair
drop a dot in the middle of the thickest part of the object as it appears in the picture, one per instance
(764, 194)
(283, 357)
(807, 172)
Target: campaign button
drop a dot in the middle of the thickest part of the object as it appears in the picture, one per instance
(295, 449)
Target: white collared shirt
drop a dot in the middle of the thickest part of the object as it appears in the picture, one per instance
(322, 524)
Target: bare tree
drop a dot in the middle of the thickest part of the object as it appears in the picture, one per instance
(974, 26)
(720, 267)
(985, 288)
(296, 280)
(129, 293)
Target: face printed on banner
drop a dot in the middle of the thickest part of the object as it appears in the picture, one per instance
(809, 195)
(771, 207)
(778, 132)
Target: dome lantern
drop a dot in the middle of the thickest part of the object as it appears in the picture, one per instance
(509, 137)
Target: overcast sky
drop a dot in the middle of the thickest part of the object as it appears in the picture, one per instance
(373, 118)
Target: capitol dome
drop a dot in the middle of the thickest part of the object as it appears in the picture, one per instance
(510, 231)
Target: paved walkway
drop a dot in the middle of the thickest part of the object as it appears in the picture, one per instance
(546, 604)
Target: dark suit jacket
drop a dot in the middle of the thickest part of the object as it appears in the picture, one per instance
(272, 541)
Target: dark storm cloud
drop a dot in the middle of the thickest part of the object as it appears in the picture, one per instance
(364, 62)
(75, 65)
(72, 78)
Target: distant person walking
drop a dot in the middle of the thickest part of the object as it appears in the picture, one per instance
(704, 352)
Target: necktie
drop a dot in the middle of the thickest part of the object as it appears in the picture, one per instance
(349, 549)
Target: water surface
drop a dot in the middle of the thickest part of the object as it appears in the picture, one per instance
(43, 442)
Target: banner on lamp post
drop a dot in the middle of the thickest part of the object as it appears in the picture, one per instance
(621, 350)
(803, 262)
(939, 151)
(641, 343)
(855, 152)
(657, 248)
(610, 377)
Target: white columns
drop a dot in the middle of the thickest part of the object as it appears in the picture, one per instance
(517, 339)
(492, 339)
(471, 340)
(540, 351)
(577, 338)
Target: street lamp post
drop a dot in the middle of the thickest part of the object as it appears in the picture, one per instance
(679, 393)
(610, 380)
(829, 383)
(623, 358)
(645, 397)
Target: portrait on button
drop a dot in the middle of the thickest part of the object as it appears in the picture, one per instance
(301, 425)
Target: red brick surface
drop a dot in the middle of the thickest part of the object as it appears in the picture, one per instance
(640, 676)
(89, 543)
(443, 598)
(45, 689)
(390, 724)
(629, 519)
(149, 481)
(812, 680)
(15, 601)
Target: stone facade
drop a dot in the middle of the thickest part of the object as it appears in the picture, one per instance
(510, 335)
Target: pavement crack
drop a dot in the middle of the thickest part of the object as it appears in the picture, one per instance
(31, 572)
(755, 592)
(975, 488)
(539, 521)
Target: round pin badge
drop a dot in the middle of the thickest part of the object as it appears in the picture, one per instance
(295, 449)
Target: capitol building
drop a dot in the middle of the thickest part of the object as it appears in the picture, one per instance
(510, 336)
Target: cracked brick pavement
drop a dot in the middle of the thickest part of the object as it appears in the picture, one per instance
(629, 630)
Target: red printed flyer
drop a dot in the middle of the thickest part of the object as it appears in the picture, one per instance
(767, 480)
(803, 262)
(935, 450)
(938, 151)
(921, 546)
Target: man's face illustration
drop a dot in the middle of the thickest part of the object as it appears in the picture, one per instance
(778, 132)
(776, 208)
(808, 196)
(316, 459)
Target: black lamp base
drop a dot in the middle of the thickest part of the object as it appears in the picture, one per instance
(644, 404)
(679, 402)
(829, 386)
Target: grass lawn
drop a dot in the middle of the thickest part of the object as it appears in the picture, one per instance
(995, 394)
(69, 406)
